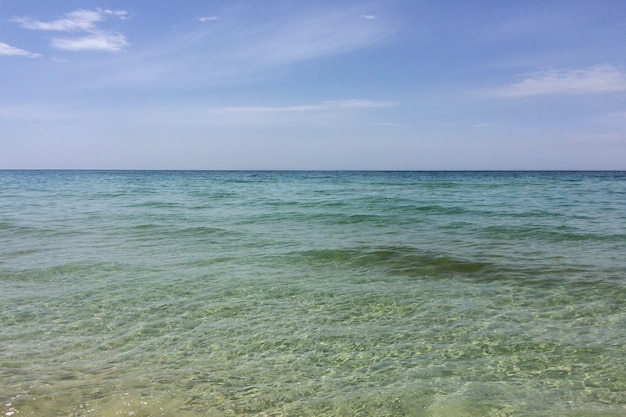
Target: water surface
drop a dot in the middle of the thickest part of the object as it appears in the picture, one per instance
(312, 293)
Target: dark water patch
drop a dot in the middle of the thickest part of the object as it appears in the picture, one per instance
(422, 264)
(408, 261)
(398, 261)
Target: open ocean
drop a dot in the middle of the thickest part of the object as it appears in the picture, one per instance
(164, 293)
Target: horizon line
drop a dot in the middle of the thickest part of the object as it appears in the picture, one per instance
(304, 170)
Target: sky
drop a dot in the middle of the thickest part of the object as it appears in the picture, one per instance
(295, 85)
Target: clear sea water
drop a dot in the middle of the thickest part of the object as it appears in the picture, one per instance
(312, 293)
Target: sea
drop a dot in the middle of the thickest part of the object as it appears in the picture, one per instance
(214, 293)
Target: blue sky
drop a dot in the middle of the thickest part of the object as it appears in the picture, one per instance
(394, 84)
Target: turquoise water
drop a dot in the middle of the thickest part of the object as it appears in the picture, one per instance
(312, 293)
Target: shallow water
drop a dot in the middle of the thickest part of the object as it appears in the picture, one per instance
(312, 293)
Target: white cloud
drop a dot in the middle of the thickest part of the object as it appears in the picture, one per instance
(207, 18)
(597, 79)
(81, 21)
(76, 21)
(368, 16)
(96, 42)
(8, 50)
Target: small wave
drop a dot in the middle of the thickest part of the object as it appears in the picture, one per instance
(554, 234)
(438, 209)
(200, 231)
(362, 218)
(146, 226)
(533, 214)
(6, 226)
(156, 204)
(162, 231)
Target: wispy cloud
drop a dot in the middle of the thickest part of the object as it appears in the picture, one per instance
(351, 112)
(194, 112)
(121, 14)
(316, 107)
(81, 21)
(597, 79)
(8, 50)
(482, 125)
(244, 47)
(326, 33)
(39, 112)
(386, 124)
(368, 17)
(615, 120)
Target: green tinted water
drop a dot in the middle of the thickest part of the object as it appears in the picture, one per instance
(312, 294)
